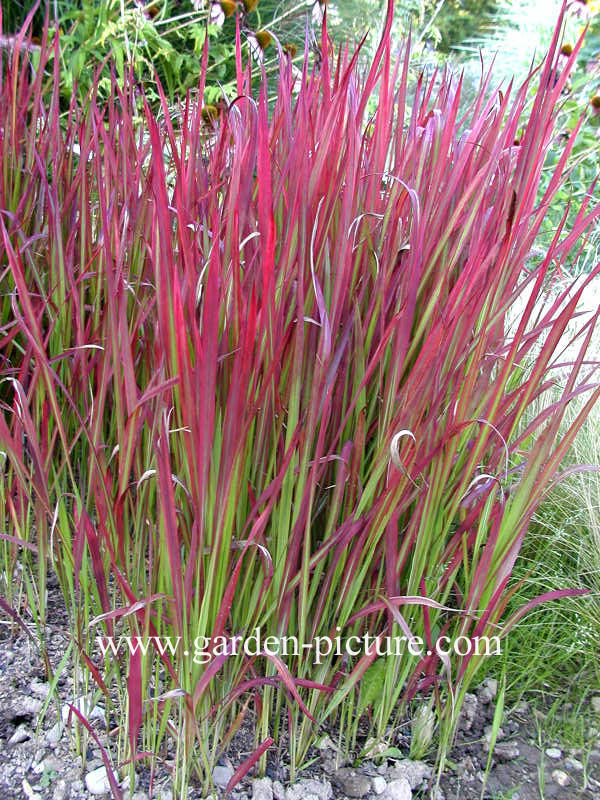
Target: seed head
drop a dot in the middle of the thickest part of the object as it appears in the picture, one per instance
(209, 114)
(264, 39)
(228, 7)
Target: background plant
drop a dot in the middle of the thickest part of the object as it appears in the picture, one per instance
(166, 37)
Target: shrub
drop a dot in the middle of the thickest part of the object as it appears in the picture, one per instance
(256, 373)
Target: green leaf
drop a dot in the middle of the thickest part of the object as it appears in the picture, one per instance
(371, 686)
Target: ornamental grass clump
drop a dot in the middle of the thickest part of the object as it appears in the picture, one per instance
(257, 376)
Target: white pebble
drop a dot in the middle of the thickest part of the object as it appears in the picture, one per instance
(221, 776)
(574, 764)
(28, 791)
(262, 789)
(97, 781)
(30, 705)
(560, 777)
(53, 735)
(398, 790)
(21, 734)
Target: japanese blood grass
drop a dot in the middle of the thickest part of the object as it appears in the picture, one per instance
(213, 337)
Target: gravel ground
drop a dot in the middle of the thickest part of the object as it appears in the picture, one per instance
(37, 758)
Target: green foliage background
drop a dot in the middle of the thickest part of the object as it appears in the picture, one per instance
(169, 41)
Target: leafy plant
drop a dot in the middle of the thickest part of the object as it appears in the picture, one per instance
(164, 38)
(258, 372)
(580, 99)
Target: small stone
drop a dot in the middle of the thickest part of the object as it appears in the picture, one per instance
(61, 790)
(294, 793)
(221, 776)
(21, 734)
(554, 753)
(573, 764)
(41, 689)
(560, 777)
(30, 705)
(352, 783)
(53, 735)
(414, 772)
(262, 789)
(85, 706)
(596, 704)
(321, 790)
(97, 781)
(485, 696)
(379, 784)
(468, 712)
(28, 791)
(487, 736)
(492, 685)
(398, 790)
(278, 790)
(506, 751)
(165, 794)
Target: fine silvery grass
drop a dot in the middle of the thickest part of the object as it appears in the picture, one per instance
(256, 373)
(561, 643)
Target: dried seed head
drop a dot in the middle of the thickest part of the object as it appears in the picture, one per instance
(264, 39)
(228, 7)
(566, 49)
(250, 5)
(209, 114)
(595, 101)
(291, 49)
